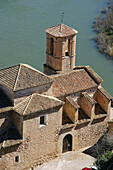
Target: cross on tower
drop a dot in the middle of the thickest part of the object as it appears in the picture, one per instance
(62, 17)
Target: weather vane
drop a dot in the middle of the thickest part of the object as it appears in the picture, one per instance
(62, 17)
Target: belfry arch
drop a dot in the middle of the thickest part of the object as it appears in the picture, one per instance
(60, 49)
(67, 143)
(51, 46)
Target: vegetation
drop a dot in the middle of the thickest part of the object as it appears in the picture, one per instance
(103, 161)
(104, 153)
(103, 27)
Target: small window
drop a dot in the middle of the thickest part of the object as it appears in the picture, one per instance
(16, 158)
(42, 121)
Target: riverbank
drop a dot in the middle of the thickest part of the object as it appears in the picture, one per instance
(103, 26)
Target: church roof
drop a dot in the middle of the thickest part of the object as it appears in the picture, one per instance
(61, 30)
(22, 76)
(72, 82)
(35, 103)
(105, 93)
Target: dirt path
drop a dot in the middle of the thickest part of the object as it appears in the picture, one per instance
(69, 161)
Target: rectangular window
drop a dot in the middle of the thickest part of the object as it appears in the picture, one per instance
(43, 120)
(16, 158)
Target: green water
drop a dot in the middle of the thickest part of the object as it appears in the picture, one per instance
(23, 40)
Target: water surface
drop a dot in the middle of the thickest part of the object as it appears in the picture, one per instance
(23, 40)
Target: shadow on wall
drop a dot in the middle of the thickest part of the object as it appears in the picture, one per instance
(4, 101)
(104, 143)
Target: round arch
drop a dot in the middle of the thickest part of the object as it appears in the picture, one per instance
(67, 143)
(51, 46)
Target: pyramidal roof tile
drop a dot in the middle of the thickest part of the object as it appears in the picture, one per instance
(61, 30)
(22, 76)
(37, 102)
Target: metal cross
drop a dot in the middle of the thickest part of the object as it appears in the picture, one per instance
(62, 17)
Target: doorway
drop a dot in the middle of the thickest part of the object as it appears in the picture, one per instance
(67, 143)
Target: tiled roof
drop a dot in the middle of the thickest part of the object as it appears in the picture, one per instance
(74, 103)
(61, 30)
(75, 81)
(105, 93)
(8, 76)
(86, 95)
(37, 102)
(91, 72)
(22, 76)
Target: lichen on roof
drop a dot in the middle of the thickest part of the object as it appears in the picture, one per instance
(22, 76)
(72, 82)
(90, 99)
(37, 102)
(61, 30)
(73, 103)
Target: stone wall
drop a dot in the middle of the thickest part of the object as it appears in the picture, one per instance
(57, 59)
(102, 100)
(5, 120)
(84, 135)
(90, 134)
(70, 110)
(18, 122)
(8, 93)
(86, 105)
(40, 144)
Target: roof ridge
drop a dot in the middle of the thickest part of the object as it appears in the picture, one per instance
(30, 67)
(21, 102)
(47, 96)
(17, 77)
(28, 103)
(66, 73)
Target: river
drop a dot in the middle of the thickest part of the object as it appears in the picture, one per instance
(23, 40)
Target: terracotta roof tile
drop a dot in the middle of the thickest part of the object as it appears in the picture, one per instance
(91, 72)
(37, 102)
(68, 83)
(74, 103)
(91, 100)
(105, 93)
(8, 76)
(22, 76)
(61, 30)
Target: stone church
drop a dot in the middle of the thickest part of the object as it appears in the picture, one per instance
(43, 115)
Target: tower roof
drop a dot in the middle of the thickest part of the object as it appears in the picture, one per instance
(61, 30)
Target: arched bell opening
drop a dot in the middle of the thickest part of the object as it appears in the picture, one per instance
(51, 46)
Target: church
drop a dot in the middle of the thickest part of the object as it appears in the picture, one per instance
(43, 115)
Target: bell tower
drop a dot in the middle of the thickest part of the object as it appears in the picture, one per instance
(60, 49)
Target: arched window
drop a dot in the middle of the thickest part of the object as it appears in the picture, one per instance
(67, 143)
(51, 46)
(68, 48)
